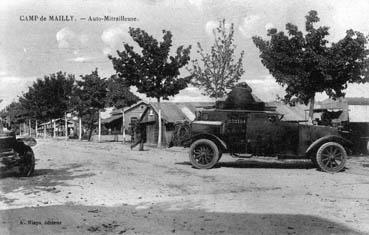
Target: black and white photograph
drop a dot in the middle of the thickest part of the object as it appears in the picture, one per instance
(184, 117)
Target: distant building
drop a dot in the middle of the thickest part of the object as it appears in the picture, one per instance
(131, 114)
(48, 127)
(357, 107)
(357, 112)
(171, 114)
(290, 113)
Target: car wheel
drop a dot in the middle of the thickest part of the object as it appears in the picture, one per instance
(204, 154)
(331, 157)
(27, 164)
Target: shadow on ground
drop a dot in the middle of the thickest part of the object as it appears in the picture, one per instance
(74, 219)
(42, 180)
(252, 163)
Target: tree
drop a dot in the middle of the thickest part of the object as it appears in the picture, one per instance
(89, 98)
(307, 64)
(48, 98)
(14, 114)
(218, 69)
(153, 71)
(118, 94)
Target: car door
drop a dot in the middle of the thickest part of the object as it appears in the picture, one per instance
(235, 132)
(268, 136)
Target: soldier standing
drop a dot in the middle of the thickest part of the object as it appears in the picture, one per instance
(139, 134)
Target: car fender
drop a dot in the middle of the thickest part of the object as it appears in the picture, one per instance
(30, 141)
(220, 143)
(330, 138)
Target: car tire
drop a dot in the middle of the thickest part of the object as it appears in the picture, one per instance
(27, 164)
(331, 157)
(203, 154)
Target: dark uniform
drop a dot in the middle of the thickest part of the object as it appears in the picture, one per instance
(139, 136)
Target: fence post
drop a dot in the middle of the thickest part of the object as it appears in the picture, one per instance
(80, 128)
(99, 134)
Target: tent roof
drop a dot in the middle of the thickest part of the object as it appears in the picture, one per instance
(179, 111)
(170, 111)
(117, 113)
(291, 113)
(126, 109)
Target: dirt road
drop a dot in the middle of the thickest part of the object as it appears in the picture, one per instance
(105, 188)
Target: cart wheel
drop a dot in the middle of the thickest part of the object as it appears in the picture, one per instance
(27, 165)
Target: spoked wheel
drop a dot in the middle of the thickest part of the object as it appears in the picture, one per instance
(27, 164)
(204, 154)
(331, 157)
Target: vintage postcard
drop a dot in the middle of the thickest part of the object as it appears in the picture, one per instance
(184, 117)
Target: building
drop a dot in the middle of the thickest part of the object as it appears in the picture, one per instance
(59, 125)
(171, 113)
(357, 112)
(131, 114)
(290, 113)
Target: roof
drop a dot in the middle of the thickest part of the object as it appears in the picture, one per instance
(57, 121)
(357, 101)
(195, 105)
(343, 102)
(332, 104)
(291, 113)
(242, 111)
(170, 112)
(111, 118)
(257, 99)
(126, 109)
(173, 112)
(117, 113)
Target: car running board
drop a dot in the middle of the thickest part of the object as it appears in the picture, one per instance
(235, 155)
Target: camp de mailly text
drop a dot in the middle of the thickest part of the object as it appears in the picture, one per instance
(67, 18)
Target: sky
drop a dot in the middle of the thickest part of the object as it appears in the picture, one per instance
(33, 49)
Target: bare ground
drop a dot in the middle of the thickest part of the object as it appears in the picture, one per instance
(105, 188)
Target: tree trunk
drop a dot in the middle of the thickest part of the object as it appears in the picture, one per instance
(36, 129)
(54, 129)
(90, 126)
(44, 130)
(99, 134)
(311, 109)
(123, 127)
(29, 127)
(66, 126)
(159, 122)
(80, 129)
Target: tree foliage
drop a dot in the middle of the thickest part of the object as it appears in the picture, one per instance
(48, 98)
(152, 70)
(13, 114)
(89, 97)
(217, 70)
(307, 63)
(118, 94)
